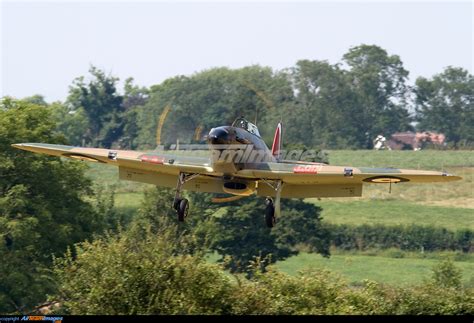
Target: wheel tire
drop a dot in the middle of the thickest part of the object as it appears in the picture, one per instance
(176, 203)
(183, 209)
(270, 214)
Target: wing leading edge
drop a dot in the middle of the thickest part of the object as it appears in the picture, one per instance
(147, 161)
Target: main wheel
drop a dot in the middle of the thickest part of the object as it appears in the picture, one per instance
(183, 208)
(270, 214)
(176, 203)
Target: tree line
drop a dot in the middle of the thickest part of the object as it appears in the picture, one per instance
(404, 237)
(323, 105)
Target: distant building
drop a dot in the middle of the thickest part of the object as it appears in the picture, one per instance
(409, 140)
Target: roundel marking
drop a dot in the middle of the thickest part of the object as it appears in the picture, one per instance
(385, 179)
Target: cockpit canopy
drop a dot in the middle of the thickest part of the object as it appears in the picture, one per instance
(246, 125)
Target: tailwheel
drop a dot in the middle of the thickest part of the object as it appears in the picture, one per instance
(270, 219)
(182, 209)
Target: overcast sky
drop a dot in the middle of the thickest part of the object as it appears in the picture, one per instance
(45, 45)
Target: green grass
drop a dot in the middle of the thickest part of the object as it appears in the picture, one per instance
(423, 159)
(356, 268)
(128, 195)
(128, 202)
(452, 193)
(393, 212)
(108, 176)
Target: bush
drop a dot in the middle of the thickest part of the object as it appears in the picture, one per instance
(446, 274)
(126, 274)
(149, 274)
(404, 237)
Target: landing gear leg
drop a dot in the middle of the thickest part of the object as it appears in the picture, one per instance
(272, 210)
(269, 213)
(181, 205)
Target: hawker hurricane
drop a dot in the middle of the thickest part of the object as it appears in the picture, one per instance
(239, 163)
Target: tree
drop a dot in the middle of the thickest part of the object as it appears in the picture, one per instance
(213, 97)
(446, 275)
(326, 113)
(37, 99)
(301, 224)
(347, 104)
(240, 236)
(379, 82)
(72, 124)
(134, 99)
(445, 103)
(42, 207)
(134, 95)
(102, 105)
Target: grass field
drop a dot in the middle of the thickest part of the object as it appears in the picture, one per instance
(423, 159)
(456, 194)
(107, 176)
(355, 268)
(393, 212)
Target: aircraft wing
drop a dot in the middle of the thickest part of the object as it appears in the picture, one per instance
(126, 159)
(316, 173)
(300, 179)
(321, 180)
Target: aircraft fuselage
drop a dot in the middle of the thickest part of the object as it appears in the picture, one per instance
(232, 148)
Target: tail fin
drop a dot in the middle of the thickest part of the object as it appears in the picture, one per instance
(276, 147)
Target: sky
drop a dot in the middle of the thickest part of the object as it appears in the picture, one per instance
(45, 45)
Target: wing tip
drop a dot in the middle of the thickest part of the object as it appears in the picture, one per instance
(25, 145)
(19, 146)
(451, 177)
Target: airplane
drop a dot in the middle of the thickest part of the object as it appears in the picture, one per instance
(240, 164)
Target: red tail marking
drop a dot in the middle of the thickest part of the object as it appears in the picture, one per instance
(276, 147)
